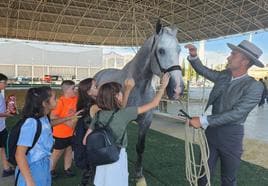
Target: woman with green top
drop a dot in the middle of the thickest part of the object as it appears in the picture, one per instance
(109, 99)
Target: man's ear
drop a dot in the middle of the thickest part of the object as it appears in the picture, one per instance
(248, 62)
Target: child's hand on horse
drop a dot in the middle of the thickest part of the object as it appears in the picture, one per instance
(165, 80)
(129, 83)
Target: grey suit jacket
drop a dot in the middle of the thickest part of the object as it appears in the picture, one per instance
(231, 100)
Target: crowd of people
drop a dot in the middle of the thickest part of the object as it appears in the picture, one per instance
(58, 118)
(234, 95)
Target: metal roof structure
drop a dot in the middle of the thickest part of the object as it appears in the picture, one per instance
(128, 22)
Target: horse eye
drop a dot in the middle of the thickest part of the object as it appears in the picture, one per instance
(161, 51)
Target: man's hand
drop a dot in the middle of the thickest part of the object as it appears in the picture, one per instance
(195, 122)
(192, 50)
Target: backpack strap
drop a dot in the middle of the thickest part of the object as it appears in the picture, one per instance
(37, 134)
(36, 137)
(110, 120)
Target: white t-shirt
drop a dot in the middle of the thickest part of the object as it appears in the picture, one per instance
(2, 110)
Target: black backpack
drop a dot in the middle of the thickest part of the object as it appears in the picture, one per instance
(80, 157)
(13, 138)
(101, 146)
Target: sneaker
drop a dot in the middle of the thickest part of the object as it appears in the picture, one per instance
(8, 172)
(53, 174)
(69, 173)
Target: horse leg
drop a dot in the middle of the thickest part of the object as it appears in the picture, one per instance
(144, 125)
(140, 149)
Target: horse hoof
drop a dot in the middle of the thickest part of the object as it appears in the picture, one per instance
(139, 173)
(141, 182)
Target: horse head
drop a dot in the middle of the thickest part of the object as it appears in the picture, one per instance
(165, 53)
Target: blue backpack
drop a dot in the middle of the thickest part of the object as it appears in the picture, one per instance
(13, 138)
(12, 141)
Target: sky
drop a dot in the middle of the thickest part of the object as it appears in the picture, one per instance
(216, 50)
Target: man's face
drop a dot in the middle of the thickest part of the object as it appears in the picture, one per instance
(3, 84)
(236, 60)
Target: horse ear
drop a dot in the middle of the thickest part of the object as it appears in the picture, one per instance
(158, 26)
(174, 30)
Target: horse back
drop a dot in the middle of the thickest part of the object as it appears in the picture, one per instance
(109, 75)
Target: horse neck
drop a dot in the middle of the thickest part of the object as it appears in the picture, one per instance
(139, 67)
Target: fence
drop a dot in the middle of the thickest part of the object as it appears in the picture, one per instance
(38, 71)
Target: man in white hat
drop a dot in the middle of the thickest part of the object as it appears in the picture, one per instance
(233, 96)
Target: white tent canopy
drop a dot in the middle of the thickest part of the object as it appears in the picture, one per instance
(127, 22)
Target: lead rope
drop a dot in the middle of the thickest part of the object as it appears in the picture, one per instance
(195, 139)
(192, 167)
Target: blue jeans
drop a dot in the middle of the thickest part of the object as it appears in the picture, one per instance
(40, 171)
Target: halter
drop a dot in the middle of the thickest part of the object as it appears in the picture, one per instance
(163, 70)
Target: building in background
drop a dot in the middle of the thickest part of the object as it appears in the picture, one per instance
(258, 73)
(116, 60)
(24, 60)
(27, 62)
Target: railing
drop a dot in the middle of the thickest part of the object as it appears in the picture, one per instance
(26, 86)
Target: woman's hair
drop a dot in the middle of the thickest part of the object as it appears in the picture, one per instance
(84, 100)
(106, 98)
(3, 77)
(33, 106)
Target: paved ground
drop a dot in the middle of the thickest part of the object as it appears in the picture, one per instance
(255, 150)
(255, 143)
(256, 125)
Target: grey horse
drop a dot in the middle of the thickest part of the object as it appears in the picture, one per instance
(159, 54)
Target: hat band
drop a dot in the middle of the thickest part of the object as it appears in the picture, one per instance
(255, 55)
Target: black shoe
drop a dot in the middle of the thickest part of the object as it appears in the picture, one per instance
(69, 173)
(8, 172)
(53, 174)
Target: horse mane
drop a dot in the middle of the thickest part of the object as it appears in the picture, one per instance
(141, 59)
(146, 49)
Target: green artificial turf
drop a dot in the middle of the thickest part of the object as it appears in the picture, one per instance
(164, 163)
